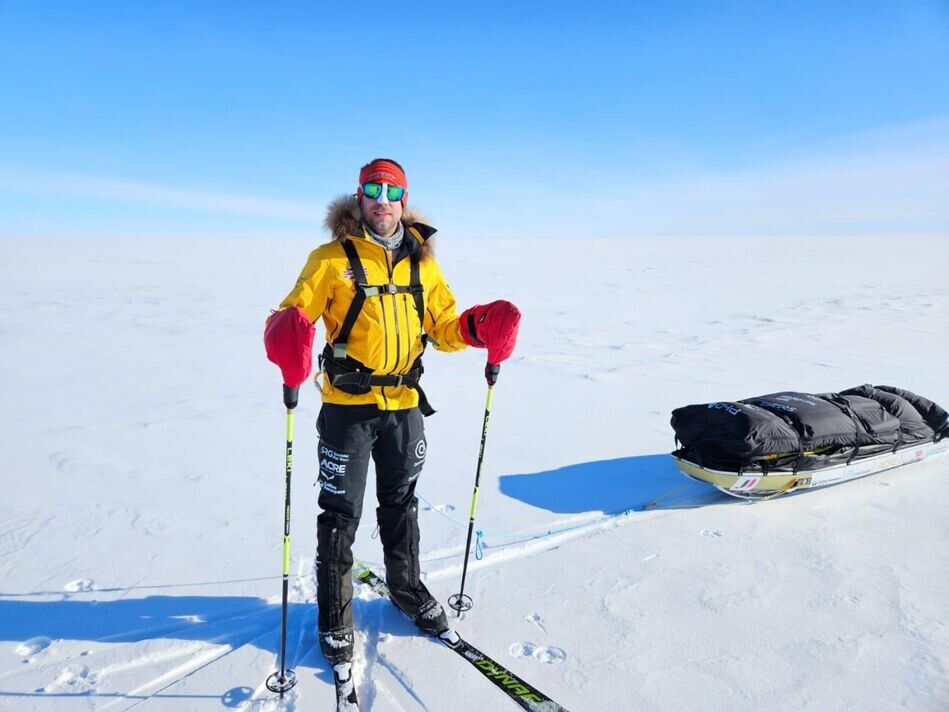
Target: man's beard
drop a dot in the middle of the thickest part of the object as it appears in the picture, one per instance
(384, 226)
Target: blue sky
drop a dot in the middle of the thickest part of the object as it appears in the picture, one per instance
(141, 119)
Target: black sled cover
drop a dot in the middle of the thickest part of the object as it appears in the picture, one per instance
(792, 430)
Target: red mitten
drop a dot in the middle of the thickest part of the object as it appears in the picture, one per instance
(288, 338)
(492, 326)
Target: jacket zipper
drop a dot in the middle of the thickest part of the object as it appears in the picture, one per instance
(385, 335)
(408, 331)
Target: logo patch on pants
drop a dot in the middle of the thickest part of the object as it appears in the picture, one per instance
(418, 450)
(332, 466)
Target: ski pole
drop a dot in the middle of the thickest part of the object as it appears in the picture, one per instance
(459, 601)
(284, 679)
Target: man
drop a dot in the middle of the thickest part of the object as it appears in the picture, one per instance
(382, 298)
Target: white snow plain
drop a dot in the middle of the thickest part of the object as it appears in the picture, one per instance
(142, 475)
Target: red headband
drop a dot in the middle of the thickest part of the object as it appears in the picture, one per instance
(382, 170)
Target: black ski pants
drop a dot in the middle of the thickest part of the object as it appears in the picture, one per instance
(395, 441)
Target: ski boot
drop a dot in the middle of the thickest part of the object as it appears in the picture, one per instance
(337, 645)
(430, 618)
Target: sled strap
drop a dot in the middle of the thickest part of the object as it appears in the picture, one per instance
(853, 454)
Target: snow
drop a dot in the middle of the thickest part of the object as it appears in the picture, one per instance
(142, 442)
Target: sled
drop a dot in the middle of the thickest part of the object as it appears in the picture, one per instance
(758, 485)
(770, 445)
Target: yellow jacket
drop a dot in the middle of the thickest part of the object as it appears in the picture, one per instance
(386, 336)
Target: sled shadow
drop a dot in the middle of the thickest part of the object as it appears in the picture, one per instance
(610, 486)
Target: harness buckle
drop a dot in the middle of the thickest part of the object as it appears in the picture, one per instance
(391, 288)
(339, 350)
(353, 378)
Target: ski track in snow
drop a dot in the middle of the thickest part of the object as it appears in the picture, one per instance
(200, 656)
(372, 615)
(401, 677)
(502, 553)
(18, 532)
(298, 653)
(92, 677)
(145, 634)
(152, 688)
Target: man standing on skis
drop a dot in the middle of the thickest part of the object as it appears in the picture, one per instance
(382, 298)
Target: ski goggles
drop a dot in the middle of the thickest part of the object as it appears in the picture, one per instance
(374, 190)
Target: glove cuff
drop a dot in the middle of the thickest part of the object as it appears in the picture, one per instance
(469, 329)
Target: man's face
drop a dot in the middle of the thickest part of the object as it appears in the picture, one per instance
(383, 217)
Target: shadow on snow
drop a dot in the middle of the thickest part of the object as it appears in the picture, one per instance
(232, 621)
(611, 486)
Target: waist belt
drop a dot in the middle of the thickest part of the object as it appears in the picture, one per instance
(349, 378)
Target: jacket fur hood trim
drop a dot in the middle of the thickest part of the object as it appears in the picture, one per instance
(343, 219)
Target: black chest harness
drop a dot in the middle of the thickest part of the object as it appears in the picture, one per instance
(349, 375)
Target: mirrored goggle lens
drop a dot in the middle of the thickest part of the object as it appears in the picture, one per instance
(374, 190)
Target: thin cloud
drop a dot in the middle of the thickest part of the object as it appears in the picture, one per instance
(142, 193)
(891, 181)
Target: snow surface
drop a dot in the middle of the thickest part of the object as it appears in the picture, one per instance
(142, 445)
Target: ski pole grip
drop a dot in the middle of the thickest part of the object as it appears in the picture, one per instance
(491, 371)
(291, 394)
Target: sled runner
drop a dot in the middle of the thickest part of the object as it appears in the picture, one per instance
(762, 486)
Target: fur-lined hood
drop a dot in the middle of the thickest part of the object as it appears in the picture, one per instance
(343, 218)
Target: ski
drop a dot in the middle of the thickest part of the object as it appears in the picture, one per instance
(346, 700)
(522, 694)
